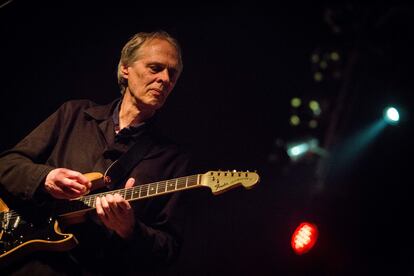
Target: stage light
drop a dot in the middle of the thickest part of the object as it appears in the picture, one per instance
(304, 238)
(315, 107)
(295, 102)
(297, 150)
(334, 56)
(323, 64)
(317, 76)
(313, 123)
(315, 58)
(294, 120)
(391, 115)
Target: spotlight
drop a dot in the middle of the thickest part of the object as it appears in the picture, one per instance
(391, 115)
(297, 150)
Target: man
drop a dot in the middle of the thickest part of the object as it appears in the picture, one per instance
(81, 137)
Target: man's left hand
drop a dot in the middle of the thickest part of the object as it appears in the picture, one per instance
(116, 213)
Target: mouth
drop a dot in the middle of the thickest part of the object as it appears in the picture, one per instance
(157, 93)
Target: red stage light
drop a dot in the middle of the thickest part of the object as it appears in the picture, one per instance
(304, 238)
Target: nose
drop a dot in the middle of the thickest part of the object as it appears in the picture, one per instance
(164, 76)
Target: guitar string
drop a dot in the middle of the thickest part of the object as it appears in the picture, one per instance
(12, 214)
(130, 191)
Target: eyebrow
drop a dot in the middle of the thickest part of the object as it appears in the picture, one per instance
(171, 69)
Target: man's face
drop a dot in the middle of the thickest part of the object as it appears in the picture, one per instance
(153, 75)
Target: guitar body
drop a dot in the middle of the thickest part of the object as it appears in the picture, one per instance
(20, 236)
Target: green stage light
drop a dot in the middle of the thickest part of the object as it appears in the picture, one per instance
(295, 102)
(294, 120)
(391, 115)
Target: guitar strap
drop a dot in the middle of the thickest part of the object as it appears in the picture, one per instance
(121, 167)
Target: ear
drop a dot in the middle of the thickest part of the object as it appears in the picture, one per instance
(124, 71)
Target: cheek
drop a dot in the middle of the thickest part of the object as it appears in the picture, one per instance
(139, 83)
(146, 78)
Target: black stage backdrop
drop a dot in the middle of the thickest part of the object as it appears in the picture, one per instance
(242, 65)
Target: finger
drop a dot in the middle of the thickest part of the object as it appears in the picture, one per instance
(117, 202)
(68, 188)
(130, 183)
(71, 193)
(79, 178)
(105, 206)
(99, 209)
(110, 199)
(72, 184)
(116, 213)
(122, 203)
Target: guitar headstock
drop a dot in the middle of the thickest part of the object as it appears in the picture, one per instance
(221, 181)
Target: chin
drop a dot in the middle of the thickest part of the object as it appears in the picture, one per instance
(155, 105)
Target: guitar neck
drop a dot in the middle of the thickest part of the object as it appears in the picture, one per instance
(86, 203)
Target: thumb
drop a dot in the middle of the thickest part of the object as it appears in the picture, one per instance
(130, 183)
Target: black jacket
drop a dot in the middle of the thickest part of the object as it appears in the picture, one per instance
(80, 136)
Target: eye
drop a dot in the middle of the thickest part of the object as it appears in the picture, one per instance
(155, 68)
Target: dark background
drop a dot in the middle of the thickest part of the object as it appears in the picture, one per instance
(242, 65)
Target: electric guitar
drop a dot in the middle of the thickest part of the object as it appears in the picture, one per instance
(21, 233)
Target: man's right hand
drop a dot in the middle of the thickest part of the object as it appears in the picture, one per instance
(63, 183)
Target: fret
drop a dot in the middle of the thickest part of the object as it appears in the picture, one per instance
(161, 187)
(186, 181)
(180, 185)
(170, 186)
(144, 191)
(135, 193)
(193, 182)
(127, 194)
(152, 188)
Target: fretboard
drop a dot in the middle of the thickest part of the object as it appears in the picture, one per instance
(87, 202)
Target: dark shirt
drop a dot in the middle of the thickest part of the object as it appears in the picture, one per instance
(80, 136)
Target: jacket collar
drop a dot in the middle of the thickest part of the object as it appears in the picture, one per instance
(102, 112)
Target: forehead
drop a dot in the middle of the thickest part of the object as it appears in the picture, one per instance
(160, 51)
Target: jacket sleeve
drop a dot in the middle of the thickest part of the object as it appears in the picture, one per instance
(22, 168)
